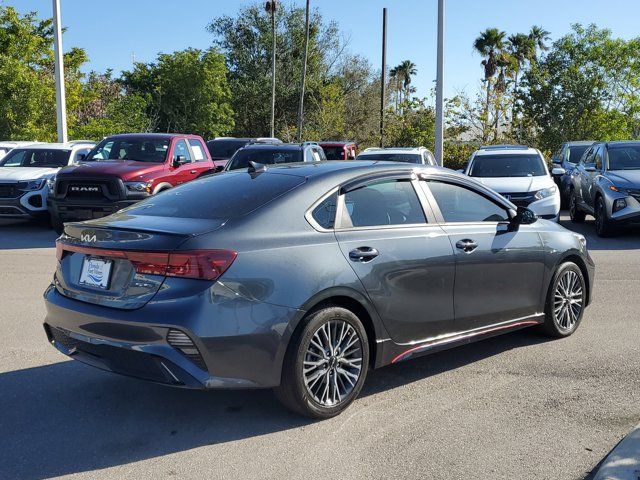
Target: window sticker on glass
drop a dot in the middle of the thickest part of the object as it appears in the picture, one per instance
(197, 152)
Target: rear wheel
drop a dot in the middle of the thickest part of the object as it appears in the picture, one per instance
(326, 364)
(565, 301)
(604, 227)
(56, 223)
(576, 215)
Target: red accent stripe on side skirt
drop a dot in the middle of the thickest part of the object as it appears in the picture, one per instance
(460, 337)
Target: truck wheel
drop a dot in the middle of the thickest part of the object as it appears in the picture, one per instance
(57, 224)
(577, 215)
(604, 226)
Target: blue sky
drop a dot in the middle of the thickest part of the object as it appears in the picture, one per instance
(112, 30)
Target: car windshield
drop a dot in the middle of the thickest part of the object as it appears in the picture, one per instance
(139, 149)
(265, 156)
(224, 148)
(334, 153)
(393, 157)
(625, 157)
(574, 154)
(36, 157)
(507, 165)
(222, 197)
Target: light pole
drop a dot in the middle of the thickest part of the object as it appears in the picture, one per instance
(61, 103)
(271, 7)
(304, 73)
(383, 75)
(439, 86)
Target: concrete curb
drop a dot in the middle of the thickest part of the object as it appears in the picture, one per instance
(623, 462)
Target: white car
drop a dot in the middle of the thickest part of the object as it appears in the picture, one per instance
(519, 174)
(417, 155)
(6, 147)
(25, 173)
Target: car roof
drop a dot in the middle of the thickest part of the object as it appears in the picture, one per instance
(275, 146)
(152, 135)
(393, 150)
(59, 146)
(622, 143)
(15, 144)
(505, 151)
(578, 143)
(336, 143)
(235, 139)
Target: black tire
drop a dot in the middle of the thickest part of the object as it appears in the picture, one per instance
(576, 215)
(293, 391)
(604, 226)
(557, 323)
(57, 224)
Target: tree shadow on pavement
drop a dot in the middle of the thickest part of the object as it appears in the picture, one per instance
(68, 418)
(627, 238)
(20, 234)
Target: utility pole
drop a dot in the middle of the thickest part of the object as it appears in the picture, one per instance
(304, 73)
(61, 102)
(439, 86)
(383, 75)
(271, 7)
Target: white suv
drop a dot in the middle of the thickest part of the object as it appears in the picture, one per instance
(6, 147)
(417, 155)
(519, 174)
(26, 170)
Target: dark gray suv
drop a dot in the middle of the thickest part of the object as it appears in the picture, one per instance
(302, 277)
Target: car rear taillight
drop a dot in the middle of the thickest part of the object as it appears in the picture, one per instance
(198, 264)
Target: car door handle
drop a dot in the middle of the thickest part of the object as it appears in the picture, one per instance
(363, 254)
(466, 245)
(193, 171)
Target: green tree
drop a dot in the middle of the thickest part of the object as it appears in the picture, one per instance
(185, 91)
(586, 87)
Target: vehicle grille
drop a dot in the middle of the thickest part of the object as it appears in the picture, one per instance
(90, 189)
(119, 360)
(520, 199)
(10, 190)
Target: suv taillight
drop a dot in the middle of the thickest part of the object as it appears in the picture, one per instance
(198, 264)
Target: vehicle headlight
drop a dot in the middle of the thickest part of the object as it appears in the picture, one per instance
(51, 183)
(138, 187)
(546, 192)
(33, 184)
(581, 239)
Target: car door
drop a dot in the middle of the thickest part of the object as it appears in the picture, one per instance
(499, 267)
(185, 172)
(586, 174)
(402, 257)
(199, 154)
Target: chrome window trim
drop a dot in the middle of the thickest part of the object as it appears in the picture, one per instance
(309, 213)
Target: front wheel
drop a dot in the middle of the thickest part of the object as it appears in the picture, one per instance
(604, 228)
(326, 364)
(56, 223)
(565, 301)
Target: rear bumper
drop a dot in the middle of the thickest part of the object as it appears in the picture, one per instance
(241, 344)
(69, 211)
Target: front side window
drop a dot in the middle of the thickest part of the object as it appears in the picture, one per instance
(138, 149)
(388, 202)
(507, 165)
(181, 150)
(597, 159)
(36, 158)
(574, 154)
(460, 204)
(625, 157)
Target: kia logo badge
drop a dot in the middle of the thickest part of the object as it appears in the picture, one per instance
(86, 237)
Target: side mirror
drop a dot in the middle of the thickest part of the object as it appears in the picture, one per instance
(178, 161)
(589, 168)
(557, 160)
(80, 157)
(558, 171)
(524, 216)
(218, 169)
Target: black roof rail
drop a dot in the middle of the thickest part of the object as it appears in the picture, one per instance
(503, 147)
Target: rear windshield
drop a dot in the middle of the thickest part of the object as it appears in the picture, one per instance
(223, 196)
(575, 153)
(334, 153)
(36, 157)
(507, 165)
(393, 157)
(266, 156)
(139, 149)
(224, 149)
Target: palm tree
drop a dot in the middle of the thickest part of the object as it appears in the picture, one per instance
(404, 72)
(522, 49)
(489, 44)
(393, 75)
(539, 36)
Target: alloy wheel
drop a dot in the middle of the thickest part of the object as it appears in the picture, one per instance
(333, 362)
(568, 300)
(600, 213)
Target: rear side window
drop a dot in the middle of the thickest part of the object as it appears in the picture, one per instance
(460, 204)
(223, 196)
(198, 150)
(325, 213)
(389, 202)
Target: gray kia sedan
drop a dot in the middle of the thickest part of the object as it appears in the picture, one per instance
(302, 277)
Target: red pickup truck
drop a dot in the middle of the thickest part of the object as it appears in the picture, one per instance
(122, 170)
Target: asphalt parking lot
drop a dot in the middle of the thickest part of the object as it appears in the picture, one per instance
(516, 406)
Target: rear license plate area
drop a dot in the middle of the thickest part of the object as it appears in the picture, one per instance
(96, 272)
